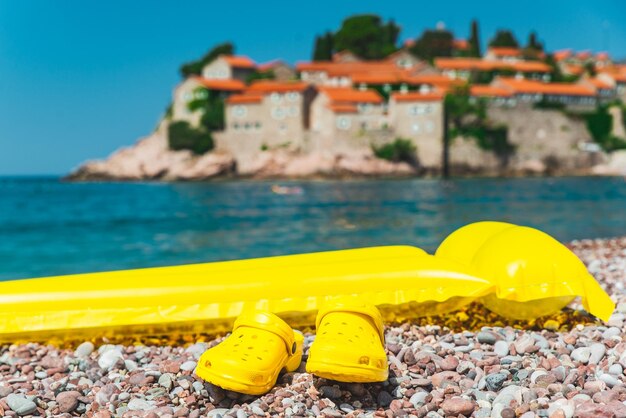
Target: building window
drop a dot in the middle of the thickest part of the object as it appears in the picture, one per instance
(293, 96)
(293, 111)
(276, 97)
(364, 125)
(430, 126)
(282, 128)
(187, 96)
(240, 111)
(236, 126)
(278, 113)
(428, 108)
(344, 123)
(257, 125)
(247, 126)
(415, 127)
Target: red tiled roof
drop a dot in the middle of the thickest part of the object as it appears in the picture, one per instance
(487, 65)
(617, 73)
(239, 61)
(489, 91)
(380, 77)
(536, 87)
(266, 66)
(348, 95)
(221, 85)
(346, 68)
(246, 98)
(414, 96)
(460, 44)
(574, 69)
(600, 84)
(583, 55)
(270, 86)
(562, 54)
(462, 64)
(505, 52)
(343, 108)
(602, 56)
(530, 67)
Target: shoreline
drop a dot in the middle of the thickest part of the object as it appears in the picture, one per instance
(70, 179)
(563, 366)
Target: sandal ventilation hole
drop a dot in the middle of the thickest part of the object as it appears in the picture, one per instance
(207, 363)
(364, 360)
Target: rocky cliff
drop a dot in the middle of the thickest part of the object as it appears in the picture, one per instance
(545, 142)
(151, 159)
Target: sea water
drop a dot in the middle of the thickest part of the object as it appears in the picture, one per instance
(49, 227)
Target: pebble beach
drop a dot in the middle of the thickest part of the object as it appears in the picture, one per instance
(469, 363)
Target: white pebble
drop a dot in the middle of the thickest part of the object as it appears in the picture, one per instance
(109, 358)
(609, 380)
(188, 365)
(84, 350)
(536, 374)
(501, 348)
(597, 351)
(616, 369)
(581, 354)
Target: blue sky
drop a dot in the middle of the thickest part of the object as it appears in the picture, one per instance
(79, 79)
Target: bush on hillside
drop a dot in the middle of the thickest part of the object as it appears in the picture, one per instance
(400, 150)
(600, 126)
(182, 136)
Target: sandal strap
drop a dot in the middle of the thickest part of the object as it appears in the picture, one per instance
(268, 322)
(368, 310)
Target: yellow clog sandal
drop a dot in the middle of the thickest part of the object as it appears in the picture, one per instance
(349, 345)
(250, 359)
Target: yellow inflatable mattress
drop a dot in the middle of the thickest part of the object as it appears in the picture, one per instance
(402, 281)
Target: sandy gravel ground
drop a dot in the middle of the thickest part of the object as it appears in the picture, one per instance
(470, 363)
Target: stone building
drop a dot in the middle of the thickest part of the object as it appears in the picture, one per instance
(197, 89)
(281, 70)
(573, 96)
(225, 67)
(419, 117)
(268, 114)
(344, 113)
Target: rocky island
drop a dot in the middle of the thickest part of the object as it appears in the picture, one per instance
(363, 109)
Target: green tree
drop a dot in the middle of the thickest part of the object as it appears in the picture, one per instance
(195, 67)
(533, 49)
(555, 74)
(504, 38)
(469, 118)
(400, 150)
(367, 36)
(533, 43)
(474, 40)
(323, 49)
(600, 126)
(433, 43)
(261, 75)
(182, 136)
(211, 104)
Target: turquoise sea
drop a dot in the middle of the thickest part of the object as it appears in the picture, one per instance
(49, 227)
